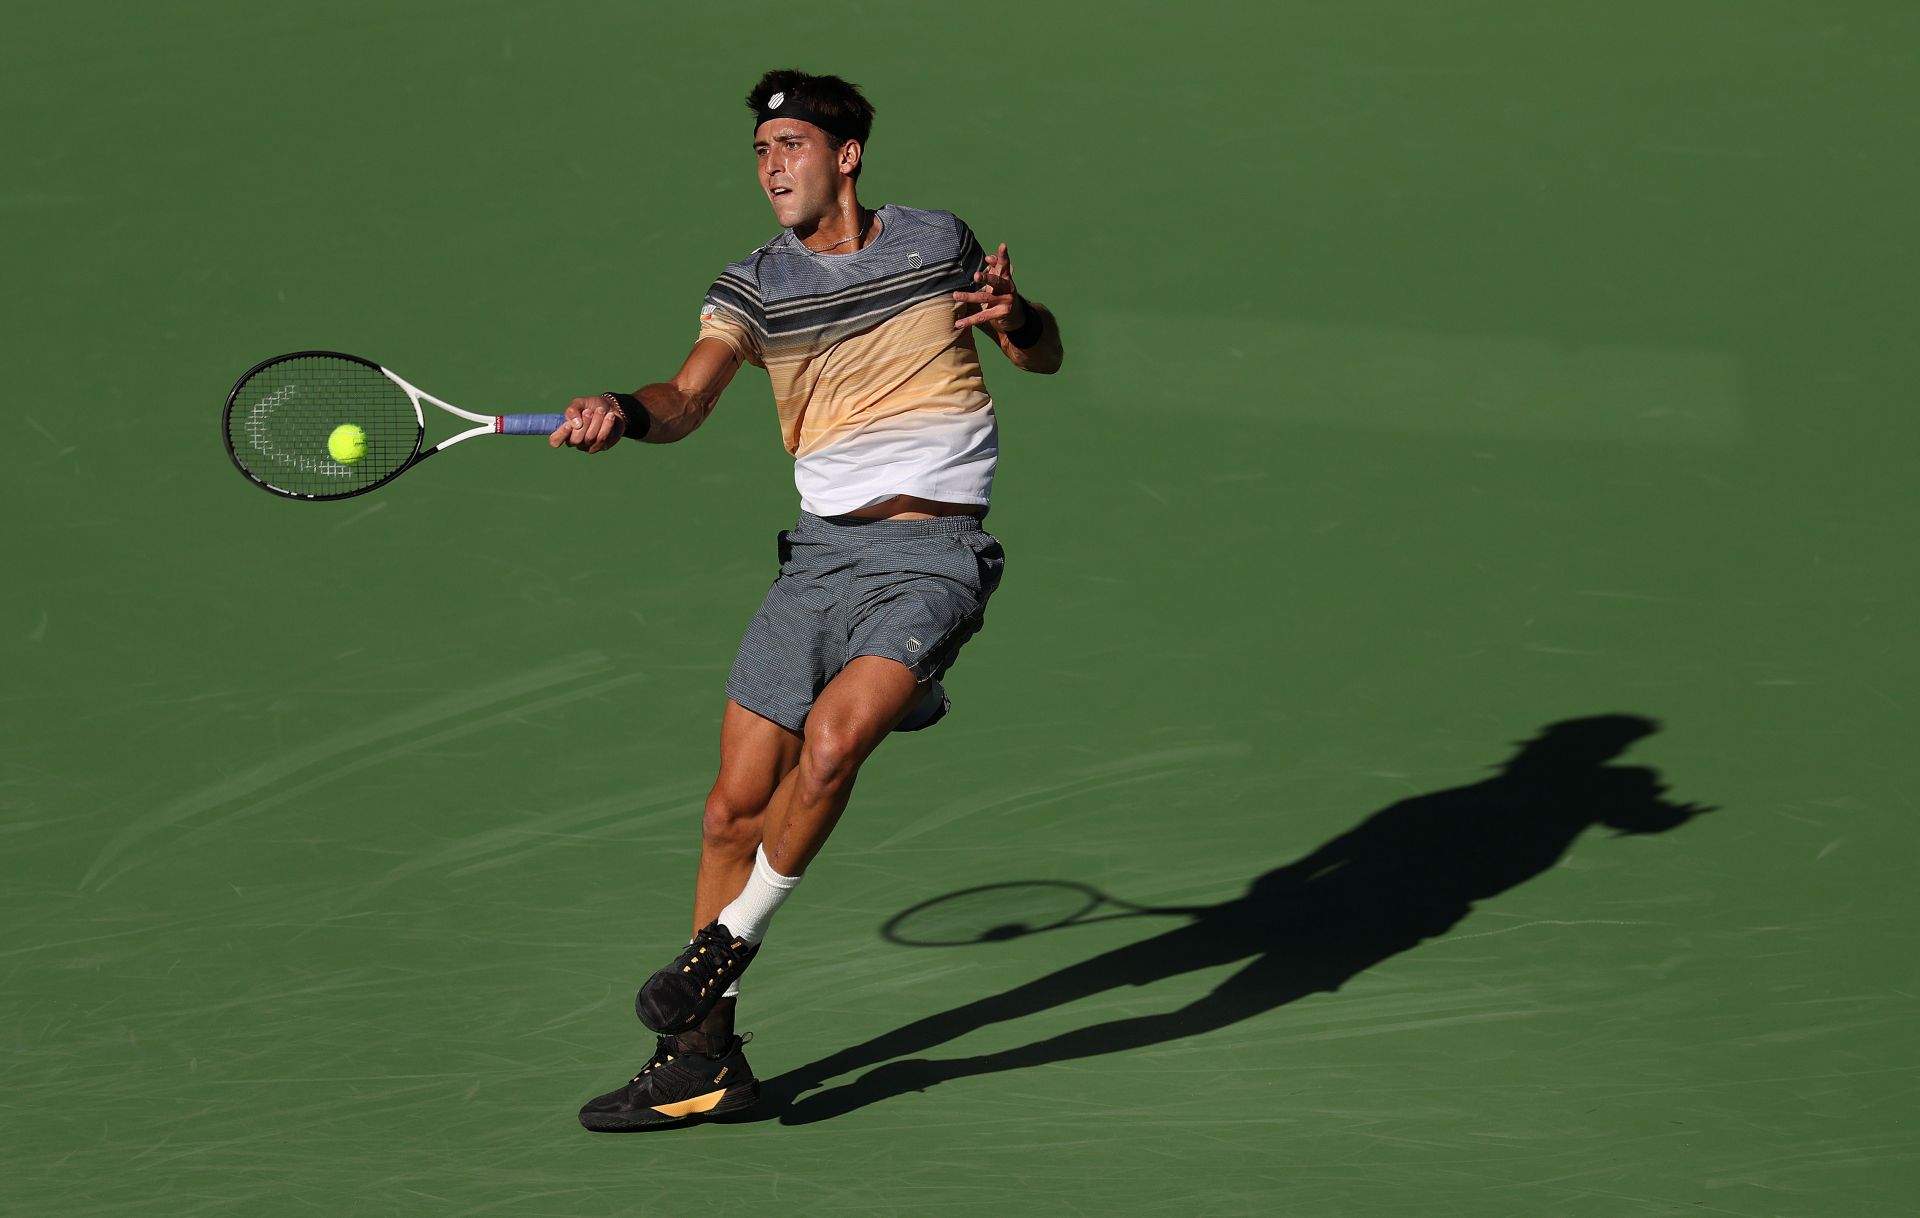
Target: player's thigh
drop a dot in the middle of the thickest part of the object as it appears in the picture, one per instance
(755, 754)
(858, 708)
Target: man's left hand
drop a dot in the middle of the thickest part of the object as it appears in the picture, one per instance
(999, 304)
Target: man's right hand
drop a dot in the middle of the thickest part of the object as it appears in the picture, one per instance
(592, 424)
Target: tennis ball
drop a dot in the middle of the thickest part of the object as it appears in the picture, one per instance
(347, 444)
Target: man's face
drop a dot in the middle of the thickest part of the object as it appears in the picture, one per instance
(798, 170)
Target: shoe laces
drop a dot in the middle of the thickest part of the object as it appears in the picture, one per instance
(664, 1051)
(710, 959)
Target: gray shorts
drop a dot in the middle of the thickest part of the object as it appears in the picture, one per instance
(910, 590)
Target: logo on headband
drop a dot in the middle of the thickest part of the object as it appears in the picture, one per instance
(773, 103)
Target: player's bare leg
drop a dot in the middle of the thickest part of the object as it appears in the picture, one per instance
(851, 717)
(699, 1068)
(758, 758)
(755, 754)
(737, 894)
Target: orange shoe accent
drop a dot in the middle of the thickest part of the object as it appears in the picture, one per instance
(704, 1103)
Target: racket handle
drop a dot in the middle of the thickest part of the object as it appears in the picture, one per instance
(528, 424)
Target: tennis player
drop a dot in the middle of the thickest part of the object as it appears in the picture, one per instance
(868, 323)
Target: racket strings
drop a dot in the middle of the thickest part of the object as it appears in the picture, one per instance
(282, 418)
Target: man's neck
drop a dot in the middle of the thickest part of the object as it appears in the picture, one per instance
(848, 227)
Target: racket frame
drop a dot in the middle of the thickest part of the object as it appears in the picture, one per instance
(488, 424)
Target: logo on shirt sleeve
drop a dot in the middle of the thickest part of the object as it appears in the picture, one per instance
(709, 311)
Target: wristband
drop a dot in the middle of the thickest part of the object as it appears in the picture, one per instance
(1031, 330)
(638, 422)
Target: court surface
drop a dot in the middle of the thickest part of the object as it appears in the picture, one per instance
(1436, 374)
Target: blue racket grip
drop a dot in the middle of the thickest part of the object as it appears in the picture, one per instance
(529, 424)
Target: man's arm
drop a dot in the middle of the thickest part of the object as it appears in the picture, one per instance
(673, 408)
(1009, 317)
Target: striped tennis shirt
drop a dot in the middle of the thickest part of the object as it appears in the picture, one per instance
(878, 394)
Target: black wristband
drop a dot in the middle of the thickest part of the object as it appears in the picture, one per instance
(638, 421)
(1030, 330)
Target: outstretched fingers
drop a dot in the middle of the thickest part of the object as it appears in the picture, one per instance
(996, 297)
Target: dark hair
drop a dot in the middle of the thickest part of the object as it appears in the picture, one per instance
(831, 96)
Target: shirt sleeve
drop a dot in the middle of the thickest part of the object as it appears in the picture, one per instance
(733, 314)
(972, 257)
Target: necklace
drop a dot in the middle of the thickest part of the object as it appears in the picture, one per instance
(865, 219)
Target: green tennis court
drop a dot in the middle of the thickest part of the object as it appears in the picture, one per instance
(1484, 443)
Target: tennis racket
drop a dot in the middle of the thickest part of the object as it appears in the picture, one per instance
(994, 913)
(282, 414)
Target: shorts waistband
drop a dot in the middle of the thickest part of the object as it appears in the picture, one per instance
(849, 527)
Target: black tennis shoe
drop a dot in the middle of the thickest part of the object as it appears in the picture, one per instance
(679, 996)
(676, 1086)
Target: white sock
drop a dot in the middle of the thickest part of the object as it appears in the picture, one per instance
(765, 892)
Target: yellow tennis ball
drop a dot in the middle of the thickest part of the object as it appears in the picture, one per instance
(347, 444)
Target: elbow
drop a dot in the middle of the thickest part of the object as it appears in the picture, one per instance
(1047, 362)
(1053, 352)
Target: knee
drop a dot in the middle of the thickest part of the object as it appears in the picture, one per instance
(731, 822)
(830, 759)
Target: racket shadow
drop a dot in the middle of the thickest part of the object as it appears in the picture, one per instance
(1403, 875)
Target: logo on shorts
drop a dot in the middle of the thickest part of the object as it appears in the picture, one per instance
(773, 103)
(913, 644)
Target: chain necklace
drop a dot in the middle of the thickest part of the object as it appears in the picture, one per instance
(866, 217)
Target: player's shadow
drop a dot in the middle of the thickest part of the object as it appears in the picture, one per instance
(1405, 874)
